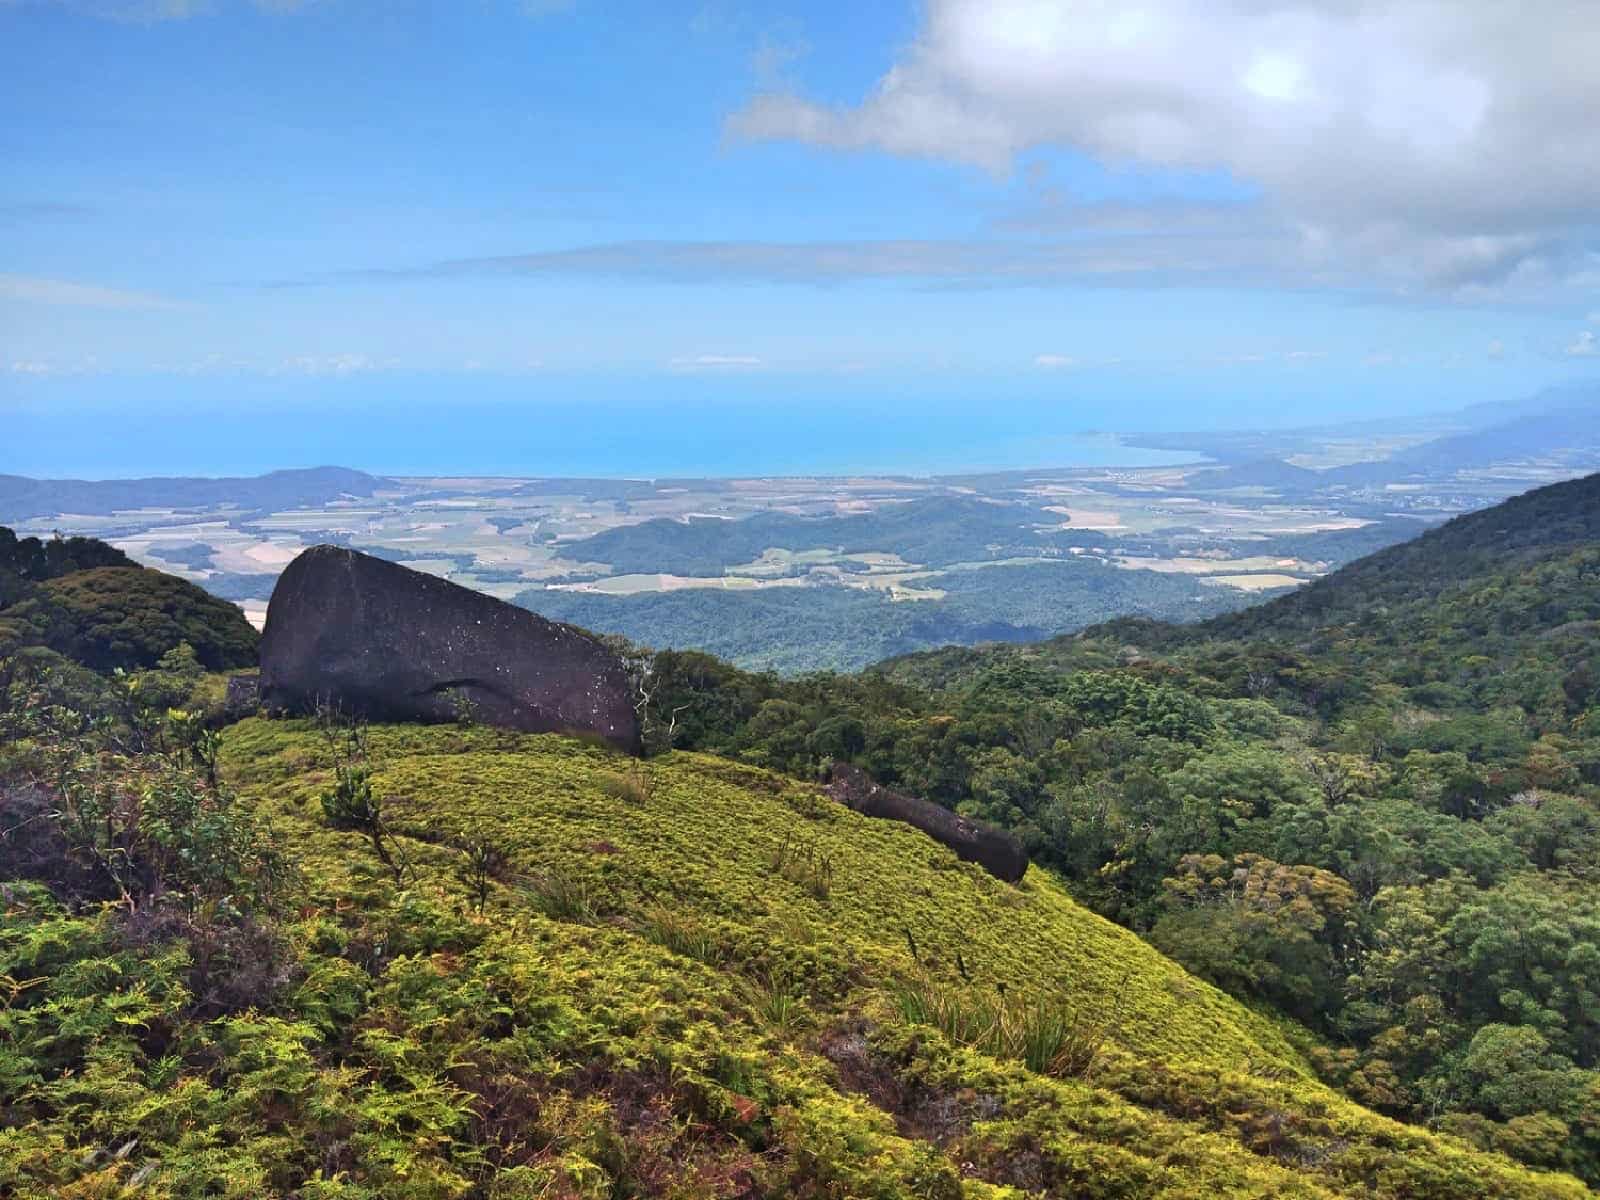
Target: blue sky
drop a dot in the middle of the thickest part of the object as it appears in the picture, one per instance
(972, 219)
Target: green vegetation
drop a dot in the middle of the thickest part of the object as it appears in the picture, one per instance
(87, 601)
(635, 1002)
(795, 630)
(936, 531)
(310, 959)
(36, 560)
(1378, 813)
(1535, 527)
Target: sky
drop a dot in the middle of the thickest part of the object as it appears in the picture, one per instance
(593, 236)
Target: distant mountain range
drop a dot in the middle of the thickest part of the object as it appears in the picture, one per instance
(22, 499)
(1556, 422)
(1571, 432)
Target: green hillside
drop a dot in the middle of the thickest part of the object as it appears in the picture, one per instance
(1509, 536)
(86, 600)
(686, 978)
(1376, 811)
(799, 630)
(1313, 913)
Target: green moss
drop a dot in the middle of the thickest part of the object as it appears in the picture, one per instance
(652, 1003)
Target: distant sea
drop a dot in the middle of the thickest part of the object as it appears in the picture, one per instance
(680, 436)
(642, 426)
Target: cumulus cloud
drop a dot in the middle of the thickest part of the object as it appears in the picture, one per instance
(27, 289)
(1438, 143)
(1584, 345)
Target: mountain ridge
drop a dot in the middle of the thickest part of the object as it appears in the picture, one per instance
(23, 498)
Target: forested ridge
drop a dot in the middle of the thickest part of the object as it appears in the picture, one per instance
(308, 958)
(1370, 804)
(90, 602)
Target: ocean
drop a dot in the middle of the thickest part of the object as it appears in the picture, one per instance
(643, 426)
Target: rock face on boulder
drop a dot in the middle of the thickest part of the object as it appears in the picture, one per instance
(996, 851)
(379, 640)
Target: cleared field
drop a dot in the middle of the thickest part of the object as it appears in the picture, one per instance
(505, 536)
(1253, 583)
(1217, 566)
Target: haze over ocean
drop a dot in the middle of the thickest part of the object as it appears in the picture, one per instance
(730, 423)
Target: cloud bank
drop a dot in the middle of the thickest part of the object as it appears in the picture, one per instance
(1442, 144)
(28, 289)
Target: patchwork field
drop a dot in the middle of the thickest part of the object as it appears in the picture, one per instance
(713, 562)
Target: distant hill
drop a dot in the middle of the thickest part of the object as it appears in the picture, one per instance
(1493, 541)
(1570, 433)
(934, 531)
(1549, 421)
(23, 499)
(86, 600)
(794, 630)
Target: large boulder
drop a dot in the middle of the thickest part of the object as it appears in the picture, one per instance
(378, 640)
(995, 850)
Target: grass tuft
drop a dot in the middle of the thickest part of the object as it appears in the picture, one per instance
(1041, 1033)
(804, 862)
(561, 897)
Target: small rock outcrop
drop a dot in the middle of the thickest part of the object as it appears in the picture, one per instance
(379, 640)
(996, 851)
(242, 699)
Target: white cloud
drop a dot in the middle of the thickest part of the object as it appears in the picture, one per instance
(1122, 256)
(1585, 345)
(28, 289)
(146, 12)
(716, 362)
(1054, 362)
(1495, 349)
(332, 364)
(1451, 144)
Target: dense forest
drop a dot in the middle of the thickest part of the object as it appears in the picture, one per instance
(91, 603)
(1370, 804)
(1000, 569)
(304, 957)
(795, 631)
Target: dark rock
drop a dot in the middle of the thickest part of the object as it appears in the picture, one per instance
(377, 640)
(996, 851)
(243, 697)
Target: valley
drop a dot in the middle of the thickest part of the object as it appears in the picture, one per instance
(806, 573)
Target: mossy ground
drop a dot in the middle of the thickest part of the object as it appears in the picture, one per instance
(690, 978)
